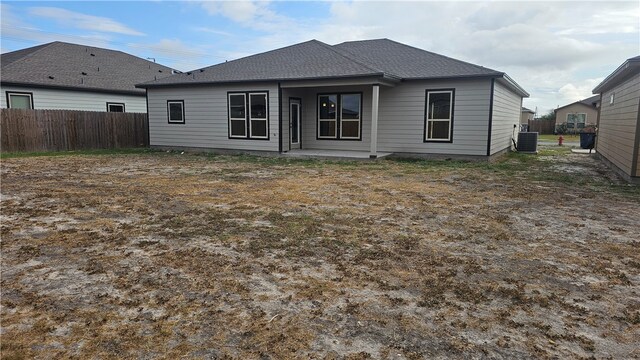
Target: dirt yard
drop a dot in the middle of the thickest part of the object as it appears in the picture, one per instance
(167, 255)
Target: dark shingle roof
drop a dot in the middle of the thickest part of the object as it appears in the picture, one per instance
(66, 65)
(408, 62)
(314, 59)
(311, 59)
(590, 101)
(628, 68)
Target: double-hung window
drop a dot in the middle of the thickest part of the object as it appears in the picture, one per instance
(576, 120)
(439, 115)
(248, 115)
(19, 100)
(175, 111)
(340, 116)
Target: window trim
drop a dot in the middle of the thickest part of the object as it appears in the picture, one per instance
(266, 118)
(299, 100)
(114, 103)
(23, 93)
(452, 91)
(247, 114)
(246, 133)
(338, 135)
(181, 102)
(576, 122)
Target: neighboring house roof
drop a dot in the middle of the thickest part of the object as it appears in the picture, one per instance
(591, 101)
(630, 66)
(316, 60)
(525, 110)
(72, 66)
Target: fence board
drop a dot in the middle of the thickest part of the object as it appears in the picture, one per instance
(59, 130)
(547, 126)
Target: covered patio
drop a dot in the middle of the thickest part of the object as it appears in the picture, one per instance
(331, 119)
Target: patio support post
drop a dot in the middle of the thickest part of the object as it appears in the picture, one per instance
(374, 121)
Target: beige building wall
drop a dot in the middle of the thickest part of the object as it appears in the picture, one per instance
(525, 117)
(617, 139)
(579, 108)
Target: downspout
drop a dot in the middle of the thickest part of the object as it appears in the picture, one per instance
(279, 118)
(493, 82)
(636, 149)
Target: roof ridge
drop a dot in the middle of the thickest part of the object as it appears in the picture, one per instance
(341, 53)
(44, 46)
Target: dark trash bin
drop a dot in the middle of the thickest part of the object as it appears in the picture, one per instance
(587, 140)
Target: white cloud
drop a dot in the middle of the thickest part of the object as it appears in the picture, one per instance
(13, 28)
(173, 53)
(83, 21)
(572, 92)
(203, 29)
(544, 46)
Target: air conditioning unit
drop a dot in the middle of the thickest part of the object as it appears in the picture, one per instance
(528, 142)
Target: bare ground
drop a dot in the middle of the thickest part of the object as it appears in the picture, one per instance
(160, 255)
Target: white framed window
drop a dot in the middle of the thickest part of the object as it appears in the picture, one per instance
(439, 115)
(611, 99)
(327, 116)
(115, 107)
(175, 111)
(258, 119)
(576, 120)
(350, 110)
(237, 115)
(19, 100)
(249, 115)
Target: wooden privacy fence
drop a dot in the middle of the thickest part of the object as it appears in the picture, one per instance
(60, 130)
(547, 126)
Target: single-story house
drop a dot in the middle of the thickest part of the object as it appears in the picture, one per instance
(618, 140)
(526, 116)
(374, 97)
(579, 114)
(60, 75)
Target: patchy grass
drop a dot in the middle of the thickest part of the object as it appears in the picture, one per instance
(155, 254)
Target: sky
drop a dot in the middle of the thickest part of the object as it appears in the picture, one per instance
(557, 50)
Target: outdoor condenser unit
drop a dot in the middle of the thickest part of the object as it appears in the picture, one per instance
(528, 142)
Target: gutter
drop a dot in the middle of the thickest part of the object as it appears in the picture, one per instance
(178, 84)
(73, 88)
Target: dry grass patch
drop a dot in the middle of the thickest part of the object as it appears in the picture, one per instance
(157, 255)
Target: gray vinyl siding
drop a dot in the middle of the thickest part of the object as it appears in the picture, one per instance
(506, 115)
(286, 94)
(617, 127)
(402, 116)
(206, 117)
(55, 99)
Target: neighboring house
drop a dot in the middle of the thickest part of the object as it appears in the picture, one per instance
(579, 114)
(618, 140)
(526, 116)
(376, 96)
(60, 75)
